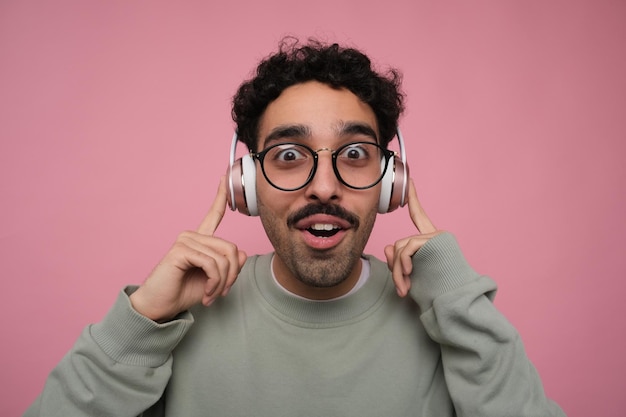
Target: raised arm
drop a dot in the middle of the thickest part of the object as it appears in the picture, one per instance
(198, 268)
(121, 366)
(485, 365)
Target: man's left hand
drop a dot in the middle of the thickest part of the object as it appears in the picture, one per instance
(399, 255)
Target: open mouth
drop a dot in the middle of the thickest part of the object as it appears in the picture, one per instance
(324, 230)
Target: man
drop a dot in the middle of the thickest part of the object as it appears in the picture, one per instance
(316, 328)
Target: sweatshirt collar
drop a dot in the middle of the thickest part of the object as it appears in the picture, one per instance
(333, 313)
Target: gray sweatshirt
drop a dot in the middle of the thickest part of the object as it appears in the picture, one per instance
(443, 351)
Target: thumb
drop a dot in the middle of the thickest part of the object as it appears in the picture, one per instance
(242, 258)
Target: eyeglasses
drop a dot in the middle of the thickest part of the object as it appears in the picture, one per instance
(291, 166)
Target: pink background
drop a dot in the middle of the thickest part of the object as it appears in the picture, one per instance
(115, 127)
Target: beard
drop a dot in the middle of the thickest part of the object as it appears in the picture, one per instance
(318, 268)
(321, 270)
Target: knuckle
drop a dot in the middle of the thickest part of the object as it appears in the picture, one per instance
(184, 236)
(231, 248)
(210, 263)
(178, 246)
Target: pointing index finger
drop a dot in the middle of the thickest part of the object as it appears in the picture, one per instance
(216, 212)
(417, 213)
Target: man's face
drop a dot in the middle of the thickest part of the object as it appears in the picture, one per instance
(318, 232)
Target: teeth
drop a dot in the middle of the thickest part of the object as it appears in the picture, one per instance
(326, 227)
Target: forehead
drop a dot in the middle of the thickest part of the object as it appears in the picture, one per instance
(319, 108)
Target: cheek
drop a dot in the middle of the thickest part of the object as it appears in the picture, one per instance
(370, 198)
(273, 201)
(273, 216)
(373, 203)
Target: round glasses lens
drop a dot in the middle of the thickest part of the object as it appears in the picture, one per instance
(361, 164)
(288, 165)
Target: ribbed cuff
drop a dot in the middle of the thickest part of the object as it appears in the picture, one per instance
(130, 338)
(438, 267)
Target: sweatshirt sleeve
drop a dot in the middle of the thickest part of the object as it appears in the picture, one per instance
(118, 367)
(484, 361)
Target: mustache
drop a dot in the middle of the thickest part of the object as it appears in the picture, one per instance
(329, 209)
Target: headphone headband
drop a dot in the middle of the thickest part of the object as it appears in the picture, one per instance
(405, 179)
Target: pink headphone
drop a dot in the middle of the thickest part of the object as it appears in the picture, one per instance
(242, 182)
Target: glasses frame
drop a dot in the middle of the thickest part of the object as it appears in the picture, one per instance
(260, 156)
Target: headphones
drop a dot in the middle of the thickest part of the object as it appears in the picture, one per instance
(241, 180)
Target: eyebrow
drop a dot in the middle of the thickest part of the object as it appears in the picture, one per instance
(287, 131)
(299, 132)
(357, 128)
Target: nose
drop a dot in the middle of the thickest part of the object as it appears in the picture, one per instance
(324, 188)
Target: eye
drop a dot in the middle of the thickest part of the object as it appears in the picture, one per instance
(287, 153)
(355, 151)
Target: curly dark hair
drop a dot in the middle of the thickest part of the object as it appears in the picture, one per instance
(334, 65)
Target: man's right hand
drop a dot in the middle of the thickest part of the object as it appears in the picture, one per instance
(197, 269)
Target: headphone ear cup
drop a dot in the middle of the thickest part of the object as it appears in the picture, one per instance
(400, 193)
(248, 179)
(386, 187)
(393, 190)
(242, 186)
